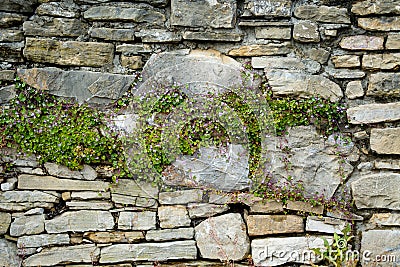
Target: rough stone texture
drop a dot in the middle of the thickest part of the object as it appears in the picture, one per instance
(377, 190)
(114, 237)
(90, 195)
(390, 164)
(261, 50)
(9, 19)
(87, 173)
(134, 188)
(213, 14)
(159, 36)
(198, 210)
(173, 216)
(266, 206)
(11, 36)
(28, 196)
(328, 14)
(23, 6)
(383, 244)
(170, 234)
(5, 221)
(26, 181)
(385, 141)
(141, 220)
(139, 13)
(344, 73)
(368, 7)
(306, 31)
(223, 237)
(58, 255)
(83, 86)
(288, 63)
(7, 93)
(9, 185)
(374, 113)
(131, 62)
(181, 197)
(362, 42)
(276, 8)
(8, 253)
(69, 52)
(113, 34)
(265, 251)
(385, 219)
(80, 221)
(384, 84)
(346, 61)
(27, 225)
(279, 33)
(393, 41)
(294, 83)
(304, 207)
(47, 26)
(381, 61)
(380, 24)
(212, 36)
(58, 9)
(35, 241)
(149, 252)
(89, 205)
(7, 75)
(354, 89)
(325, 225)
(133, 49)
(11, 52)
(258, 225)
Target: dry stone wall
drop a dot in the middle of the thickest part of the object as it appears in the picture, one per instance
(90, 51)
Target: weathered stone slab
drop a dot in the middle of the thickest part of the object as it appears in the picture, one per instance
(114, 237)
(385, 219)
(177, 250)
(7, 75)
(35, 241)
(354, 89)
(28, 196)
(362, 42)
(381, 247)
(384, 84)
(7, 93)
(123, 199)
(69, 52)
(203, 13)
(131, 62)
(173, 216)
(5, 221)
(328, 14)
(381, 61)
(13, 207)
(385, 141)
(83, 86)
(223, 237)
(389, 164)
(393, 41)
(288, 63)
(8, 19)
(8, 253)
(22, 6)
(279, 33)
(159, 36)
(299, 84)
(130, 12)
(113, 34)
(11, 52)
(89, 205)
(26, 181)
(266, 206)
(368, 7)
(346, 61)
(212, 36)
(377, 190)
(27, 225)
(276, 8)
(199, 210)
(344, 73)
(170, 234)
(134, 188)
(304, 206)
(58, 255)
(306, 31)
(141, 220)
(48, 27)
(374, 113)
(266, 251)
(325, 225)
(391, 23)
(11, 36)
(261, 50)
(318, 54)
(258, 225)
(133, 49)
(58, 9)
(87, 173)
(80, 221)
(180, 197)
(90, 195)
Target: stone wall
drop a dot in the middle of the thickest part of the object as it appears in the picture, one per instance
(90, 50)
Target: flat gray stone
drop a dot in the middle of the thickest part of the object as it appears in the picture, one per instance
(35, 241)
(259, 225)
(28, 196)
(380, 245)
(5, 221)
(278, 33)
(158, 36)
(325, 225)
(367, 7)
(113, 34)
(362, 42)
(90, 195)
(176, 250)
(130, 187)
(8, 253)
(329, 14)
(114, 237)
(173, 216)
(180, 197)
(384, 84)
(374, 113)
(286, 63)
(385, 219)
(133, 49)
(170, 234)
(212, 36)
(27, 225)
(11, 36)
(87, 173)
(7, 93)
(59, 255)
(141, 220)
(354, 89)
(223, 237)
(377, 191)
(276, 8)
(48, 26)
(306, 31)
(80, 221)
(58, 9)
(22, 6)
(389, 61)
(89, 205)
(344, 73)
(389, 164)
(203, 13)
(83, 86)
(385, 141)
(199, 210)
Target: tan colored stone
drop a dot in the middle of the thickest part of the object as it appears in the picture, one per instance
(66, 196)
(354, 89)
(381, 61)
(173, 216)
(362, 42)
(69, 52)
(279, 33)
(9, 19)
(380, 24)
(328, 14)
(367, 7)
(374, 113)
(266, 206)
(389, 164)
(5, 221)
(346, 61)
(49, 27)
(131, 62)
(385, 141)
(304, 207)
(393, 41)
(114, 237)
(306, 31)
(258, 225)
(385, 219)
(261, 50)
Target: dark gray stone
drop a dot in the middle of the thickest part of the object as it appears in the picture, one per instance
(11, 52)
(9, 19)
(133, 49)
(48, 26)
(113, 34)
(19, 6)
(212, 36)
(11, 36)
(7, 93)
(384, 84)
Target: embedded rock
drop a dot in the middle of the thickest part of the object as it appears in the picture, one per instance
(8, 19)
(374, 113)
(393, 41)
(385, 141)
(261, 50)
(346, 61)
(47, 26)
(114, 237)
(7, 93)
(384, 84)
(198, 210)
(8, 253)
(212, 36)
(385, 219)
(380, 245)
(90, 195)
(35, 241)
(23, 6)
(113, 34)
(181, 197)
(27, 196)
(173, 216)
(362, 42)
(279, 33)
(258, 225)
(328, 14)
(58, 9)
(26, 181)
(130, 187)
(11, 36)
(276, 8)
(89, 205)
(140, 220)
(325, 225)
(354, 89)
(377, 191)
(288, 63)
(83, 86)
(158, 36)
(380, 24)
(223, 237)
(87, 173)
(306, 31)
(11, 52)
(368, 7)
(27, 225)
(5, 221)
(170, 234)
